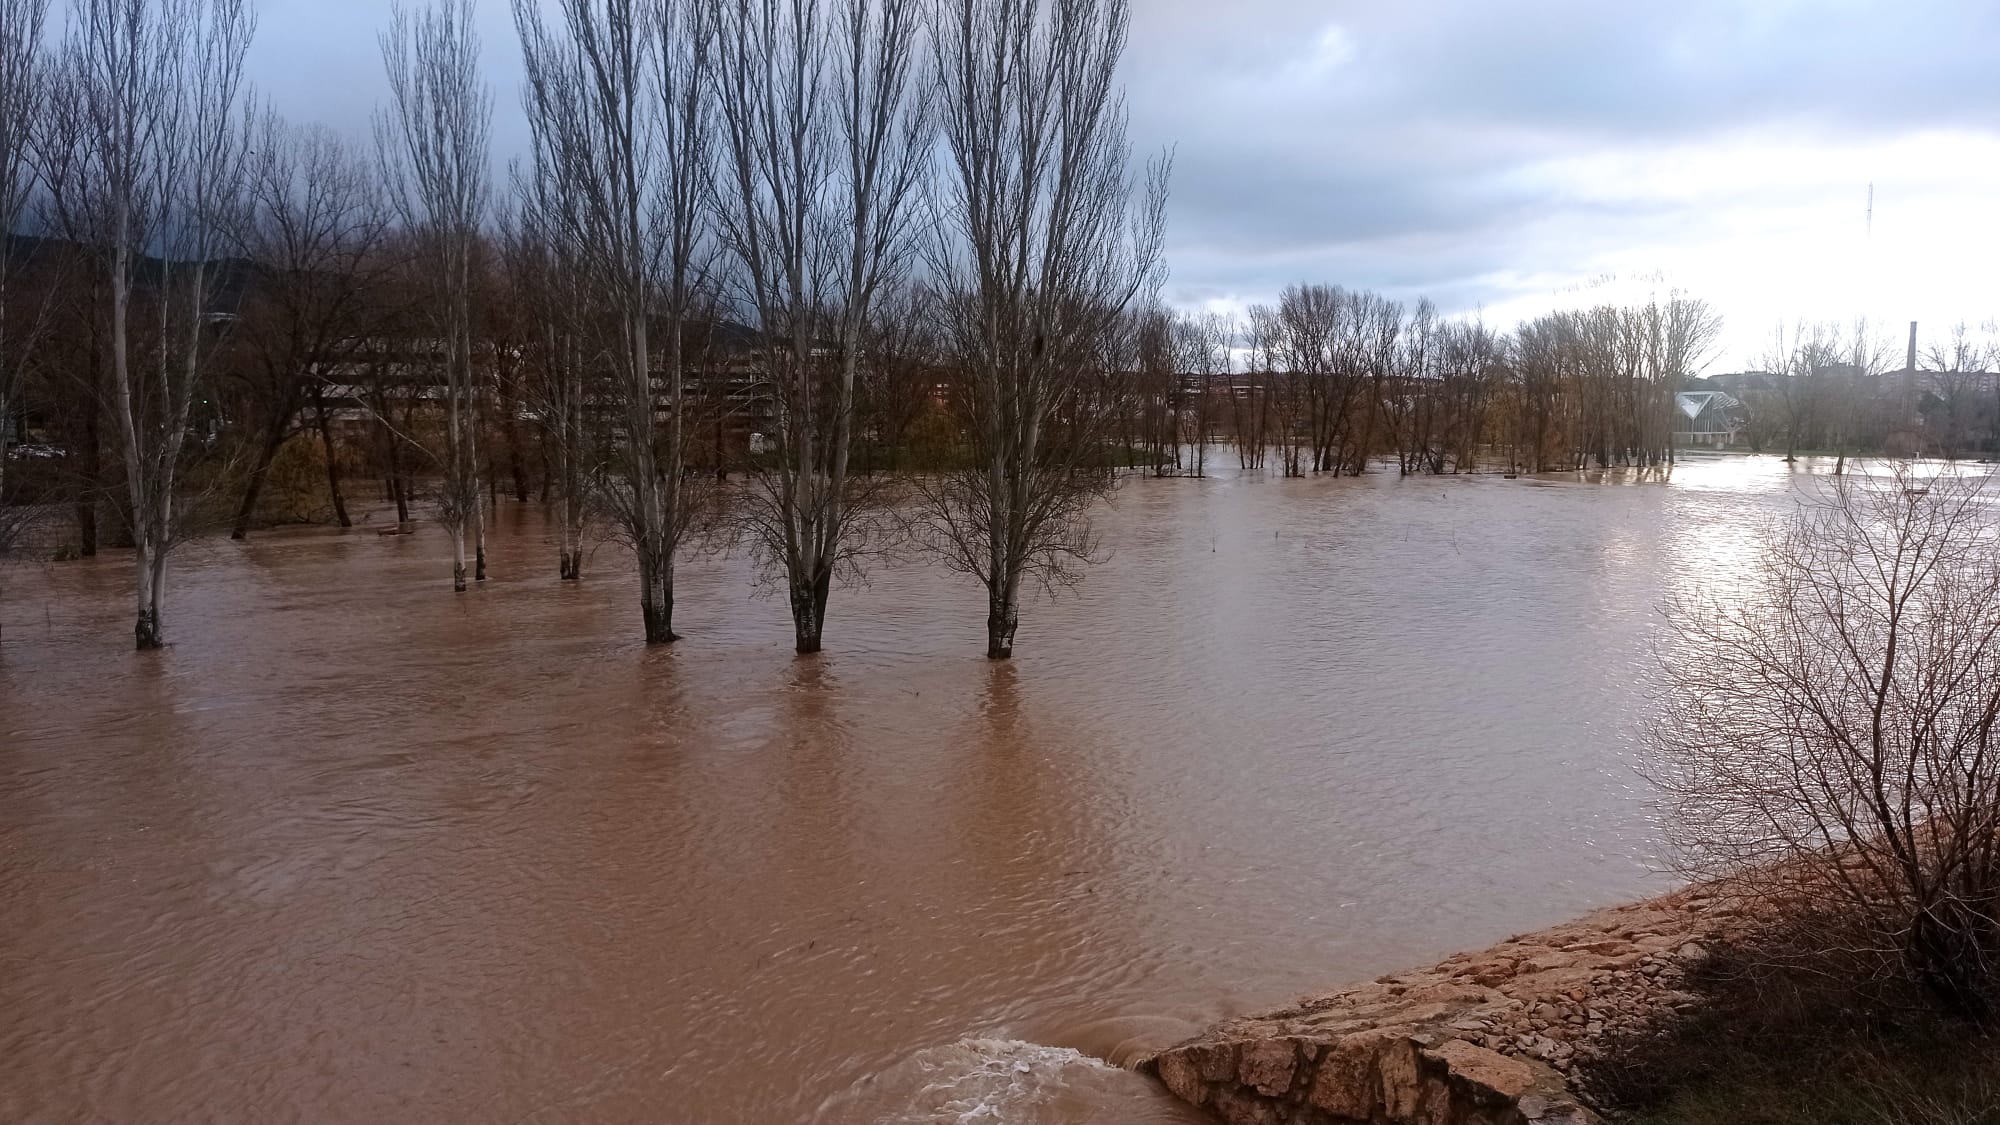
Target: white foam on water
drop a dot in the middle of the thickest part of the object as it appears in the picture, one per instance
(990, 1080)
(1000, 1082)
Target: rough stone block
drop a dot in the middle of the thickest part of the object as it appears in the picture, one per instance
(1177, 1072)
(1346, 1083)
(1487, 1076)
(1269, 1065)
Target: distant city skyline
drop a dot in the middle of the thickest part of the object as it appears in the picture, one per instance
(1501, 159)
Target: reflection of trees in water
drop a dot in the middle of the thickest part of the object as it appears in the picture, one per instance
(1000, 705)
(812, 752)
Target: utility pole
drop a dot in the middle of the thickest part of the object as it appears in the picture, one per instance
(1913, 418)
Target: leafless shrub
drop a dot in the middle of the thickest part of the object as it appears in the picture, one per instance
(1827, 742)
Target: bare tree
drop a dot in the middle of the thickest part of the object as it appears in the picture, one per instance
(898, 401)
(591, 116)
(1250, 399)
(76, 269)
(1828, 738)
(825, 123)
(313, 229)
(1153, 363)
(618, 101)
(1677, 339)
(1864, 355)
(433, 149)
(22, 95)
(1799, 355)
(1203, 346)
(1334, 347)
(546, 287)
(1040, 250)
(1957, 374)
(1826, 382)
(160, 84)
(1475, 375)
(22, 98)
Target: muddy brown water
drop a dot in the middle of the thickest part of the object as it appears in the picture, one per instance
(356, 849)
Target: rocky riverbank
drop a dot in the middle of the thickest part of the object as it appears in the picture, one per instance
(1502, 1036)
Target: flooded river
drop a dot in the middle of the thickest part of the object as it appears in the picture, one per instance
(355, 849)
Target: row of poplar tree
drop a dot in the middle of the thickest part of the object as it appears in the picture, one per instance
(818, 176)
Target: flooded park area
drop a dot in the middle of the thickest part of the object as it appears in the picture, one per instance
(357, 849)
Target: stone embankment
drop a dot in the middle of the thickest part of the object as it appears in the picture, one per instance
(1504, 1036)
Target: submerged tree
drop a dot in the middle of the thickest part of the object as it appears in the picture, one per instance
(159, 161)
(1828, 737)
(1956, 370)
(616, 104)
(825, 151)
(433, 148)
(313, 230)
(23, 89)
(23, 92)
(546, 294)
(1040, 250)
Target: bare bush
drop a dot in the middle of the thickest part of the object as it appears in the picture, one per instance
(1827, 743)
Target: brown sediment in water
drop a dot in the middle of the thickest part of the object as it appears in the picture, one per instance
(357, 849)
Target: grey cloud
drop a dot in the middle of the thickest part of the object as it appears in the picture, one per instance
(1394, 143)
(1388, 144)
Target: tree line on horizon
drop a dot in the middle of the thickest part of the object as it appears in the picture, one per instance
(776, 273)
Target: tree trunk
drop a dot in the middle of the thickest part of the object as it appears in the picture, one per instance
(517, 465)
(398, 481)
(332, 461)
(89, 479)
(274, 437)
(458, 559)
(479, 527)
(809, 610)
(1003, 617)
(148, 631)
(656, 599)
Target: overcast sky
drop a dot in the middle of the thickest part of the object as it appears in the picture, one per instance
(1503, 157)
